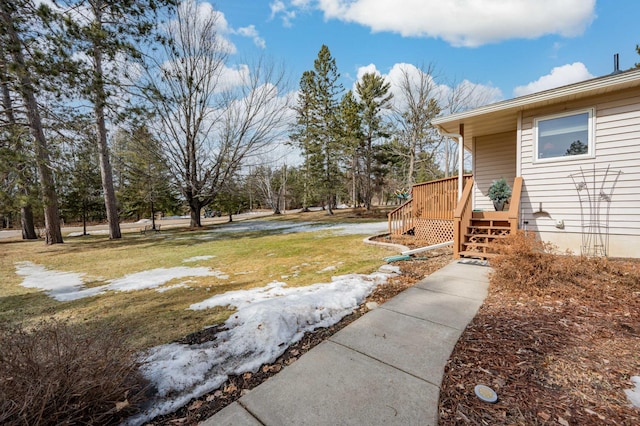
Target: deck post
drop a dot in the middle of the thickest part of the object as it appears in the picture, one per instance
(460, 159)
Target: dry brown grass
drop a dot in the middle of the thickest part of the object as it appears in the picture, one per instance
(56, 373)
(557, 338)
(78, 369)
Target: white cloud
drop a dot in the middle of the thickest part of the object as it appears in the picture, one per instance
(202, 14)
(369, 69)
(251, 32)
(279, 8)
(468, 94)
(559, 76)
(462, 22)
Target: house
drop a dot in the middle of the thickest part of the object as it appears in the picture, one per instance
(572, 156)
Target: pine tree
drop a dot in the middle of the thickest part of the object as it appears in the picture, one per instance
(302, 134)
(321, 137)
(14, 23)
(82, 192)
(375, 98)
(107, 31)
(145, 182)
(17, 158)
(352, 140)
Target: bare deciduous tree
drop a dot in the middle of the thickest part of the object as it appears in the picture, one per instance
(271, 184)
(416, 106)
(211, 118)
(462, 96)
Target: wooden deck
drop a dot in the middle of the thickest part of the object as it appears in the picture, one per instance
(428, 215)
(435, 215)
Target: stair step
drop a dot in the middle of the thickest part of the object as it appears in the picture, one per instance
(485, 220)
(477, 254)
(477, 234)
(501, 228)
(482, 238)
(478, 244)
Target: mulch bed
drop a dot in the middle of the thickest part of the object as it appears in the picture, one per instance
(204, 407)
(561, 356)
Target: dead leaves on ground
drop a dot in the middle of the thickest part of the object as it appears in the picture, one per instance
(563, 355)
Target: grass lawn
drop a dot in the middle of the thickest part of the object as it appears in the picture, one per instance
(243, 259)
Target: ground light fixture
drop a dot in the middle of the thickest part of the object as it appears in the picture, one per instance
(486, 394)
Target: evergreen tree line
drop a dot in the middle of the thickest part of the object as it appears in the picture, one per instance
(363, 144)
(118, 110)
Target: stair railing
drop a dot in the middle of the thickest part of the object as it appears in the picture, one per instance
(401, 219)
(462, 218)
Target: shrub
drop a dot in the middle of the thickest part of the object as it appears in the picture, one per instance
(499, 190)
(60, 374)
(527, 264)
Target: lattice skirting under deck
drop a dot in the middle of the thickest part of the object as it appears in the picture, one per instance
(433, 231)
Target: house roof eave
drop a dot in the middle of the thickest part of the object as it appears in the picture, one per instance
(503, 114)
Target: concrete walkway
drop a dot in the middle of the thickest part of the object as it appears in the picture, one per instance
(383, 369)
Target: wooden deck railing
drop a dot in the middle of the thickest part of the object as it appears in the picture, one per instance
(435, 200)
(514, 204)
(401, 219)
(462, 217)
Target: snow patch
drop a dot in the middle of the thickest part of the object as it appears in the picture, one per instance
(267, 320)
(67, 286)
(633, 395)
(197, 258)
(55, 283)
(330, 268)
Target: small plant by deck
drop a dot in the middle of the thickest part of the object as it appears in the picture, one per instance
(499, 192)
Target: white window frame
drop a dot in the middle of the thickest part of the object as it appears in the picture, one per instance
(590, 136)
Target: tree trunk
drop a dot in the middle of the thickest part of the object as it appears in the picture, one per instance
(26, 213)
(84, 216)
(368, 190)
(26, 221)
(106, 172)
(412, 165)
(153, 217)
(195, 216)
(53, 234)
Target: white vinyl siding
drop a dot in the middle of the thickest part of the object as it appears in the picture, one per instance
(495, 157)
(617, 146)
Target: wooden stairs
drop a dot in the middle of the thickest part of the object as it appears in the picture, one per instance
(483, 230)
(475, 231)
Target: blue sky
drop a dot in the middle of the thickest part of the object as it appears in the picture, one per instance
(514, 46)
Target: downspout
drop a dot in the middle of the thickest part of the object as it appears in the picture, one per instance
(457, 136)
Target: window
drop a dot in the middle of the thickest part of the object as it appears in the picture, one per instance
(565, 135)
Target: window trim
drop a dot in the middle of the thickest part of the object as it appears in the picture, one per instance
(590, 136)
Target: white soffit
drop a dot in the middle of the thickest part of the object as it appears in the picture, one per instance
(503, 116)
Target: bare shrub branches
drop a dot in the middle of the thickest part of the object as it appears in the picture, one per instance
(59, 374)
